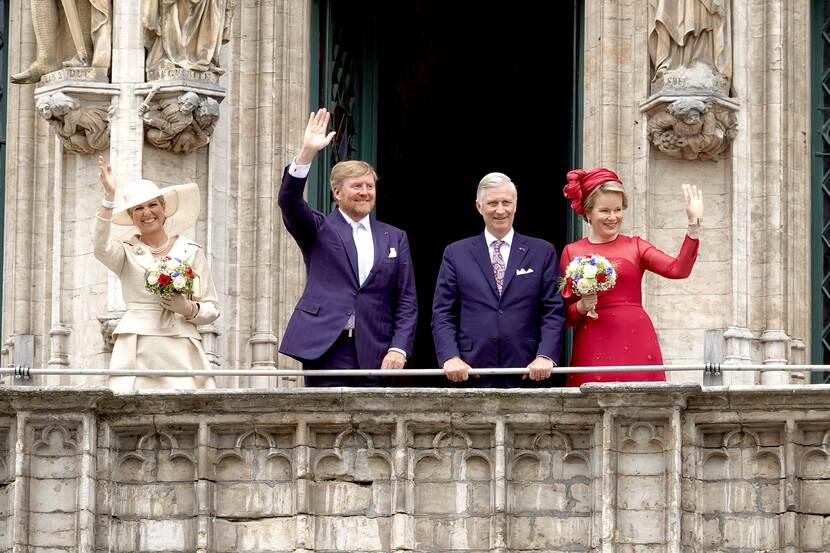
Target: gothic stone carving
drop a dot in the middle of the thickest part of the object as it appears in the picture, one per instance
(690, 47)
(693, 128)
(690, 40)
(183, 37)
(108, 324)
(82, 129)
(181, 124)
(71, 34)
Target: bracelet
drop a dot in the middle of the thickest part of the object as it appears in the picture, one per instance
(107, 204)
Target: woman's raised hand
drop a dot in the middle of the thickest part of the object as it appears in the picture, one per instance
(106, 178)
(694, 203)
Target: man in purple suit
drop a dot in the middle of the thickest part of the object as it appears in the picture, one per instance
(496, 300)
(358, 309)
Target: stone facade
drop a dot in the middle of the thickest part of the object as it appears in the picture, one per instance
(751, 282)
(612, 468)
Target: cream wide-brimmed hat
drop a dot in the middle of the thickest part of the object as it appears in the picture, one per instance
(181, 204)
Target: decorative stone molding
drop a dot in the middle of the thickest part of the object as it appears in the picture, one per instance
(692, 127)
(603, 468)
(179, 116)
(108, 324)
(78, 113)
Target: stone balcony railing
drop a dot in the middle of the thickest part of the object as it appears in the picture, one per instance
(614, 468)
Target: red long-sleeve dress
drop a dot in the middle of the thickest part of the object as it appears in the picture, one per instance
(623, 334)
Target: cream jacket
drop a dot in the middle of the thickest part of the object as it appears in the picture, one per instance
(129, 260)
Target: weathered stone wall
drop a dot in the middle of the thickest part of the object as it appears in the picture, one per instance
(613, 468)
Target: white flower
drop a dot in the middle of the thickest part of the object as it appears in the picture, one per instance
(152, 279)
(179, 282)
(590, 271)
(584, 286)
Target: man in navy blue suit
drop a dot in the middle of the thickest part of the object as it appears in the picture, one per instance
(496, 300)
(358, 309)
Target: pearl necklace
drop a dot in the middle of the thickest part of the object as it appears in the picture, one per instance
(163, 249)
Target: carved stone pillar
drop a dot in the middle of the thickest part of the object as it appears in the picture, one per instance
(775, 345)
(739, 342)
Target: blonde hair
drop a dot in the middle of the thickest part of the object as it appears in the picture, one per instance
(610, 186)
(161, 201)
(348, 169)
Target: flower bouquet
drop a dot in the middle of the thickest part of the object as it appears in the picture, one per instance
(169, 275)
(588, 274)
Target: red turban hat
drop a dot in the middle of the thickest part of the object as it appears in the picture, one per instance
(582, 183)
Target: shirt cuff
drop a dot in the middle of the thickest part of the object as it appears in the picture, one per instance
(298, 171)
(399, 350)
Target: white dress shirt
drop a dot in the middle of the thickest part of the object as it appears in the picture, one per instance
(505, 248)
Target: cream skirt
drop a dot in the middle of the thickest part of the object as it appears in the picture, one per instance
(133, 351)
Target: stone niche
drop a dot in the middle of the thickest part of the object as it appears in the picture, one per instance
(646, 468)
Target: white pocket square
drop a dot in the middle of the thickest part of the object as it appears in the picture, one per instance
(392, 253)
(523, 271)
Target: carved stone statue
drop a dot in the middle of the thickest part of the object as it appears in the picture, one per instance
(198, 133)
(108, 324)
(186, 34)
(686, 33)
(180, 124)
(692, 128)
(82, 130)
(71, 34)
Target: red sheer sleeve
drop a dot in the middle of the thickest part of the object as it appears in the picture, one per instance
(665, 265)
(573, 316)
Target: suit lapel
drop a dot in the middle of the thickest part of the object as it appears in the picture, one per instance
(344, 230)
(480, 253)
(518, 251)
(381, 241)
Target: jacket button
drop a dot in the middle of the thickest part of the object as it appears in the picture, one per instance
(494, 339)
(501, 312)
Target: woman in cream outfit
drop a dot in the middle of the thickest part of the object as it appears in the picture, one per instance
(154, 332)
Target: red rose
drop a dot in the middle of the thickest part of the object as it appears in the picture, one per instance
(164, 280)
(601, 277)
(189, 272)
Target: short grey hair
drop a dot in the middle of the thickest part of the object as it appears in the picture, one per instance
(492, 180)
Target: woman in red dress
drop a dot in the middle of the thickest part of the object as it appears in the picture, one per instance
(623, 333)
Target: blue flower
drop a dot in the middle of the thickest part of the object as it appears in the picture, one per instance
(593, 261)
(576, 278)
(609, 271)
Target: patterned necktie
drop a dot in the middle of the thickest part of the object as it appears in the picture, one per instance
(498, 264)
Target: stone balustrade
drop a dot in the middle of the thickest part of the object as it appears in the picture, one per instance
(629, 468)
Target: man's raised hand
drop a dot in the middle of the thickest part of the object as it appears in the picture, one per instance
(315, 137)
